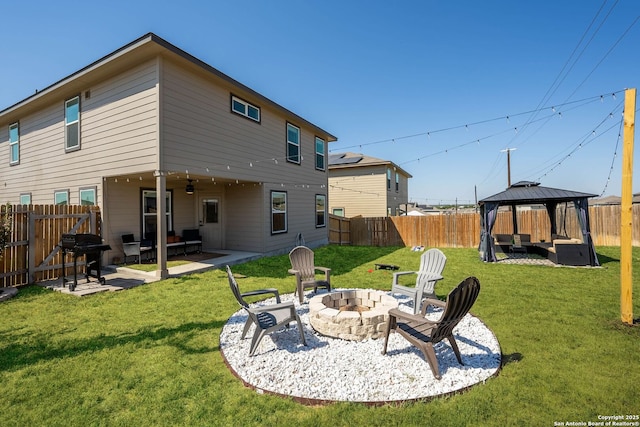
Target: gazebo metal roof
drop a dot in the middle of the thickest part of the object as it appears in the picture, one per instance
(527, 192)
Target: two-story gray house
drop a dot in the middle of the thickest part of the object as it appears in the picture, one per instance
(164, 142)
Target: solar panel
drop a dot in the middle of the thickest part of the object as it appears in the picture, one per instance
(344, 160)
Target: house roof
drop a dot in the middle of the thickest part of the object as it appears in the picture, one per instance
(614, 200)
(351, 160)
(138, 51)
(526, 192)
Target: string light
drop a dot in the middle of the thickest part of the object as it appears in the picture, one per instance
(395, 140)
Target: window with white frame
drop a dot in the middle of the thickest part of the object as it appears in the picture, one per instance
(278, 212)
(14, 144)
(293, 143)
(244, 108)
(338, 211)
(61, 197)
(320, 153)
(72, 123)
(25, 198)
(88, 196)
(321, 210)
(397, 181)
(150, 212)
(388, 179)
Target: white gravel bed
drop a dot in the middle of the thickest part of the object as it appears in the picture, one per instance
(332, 369)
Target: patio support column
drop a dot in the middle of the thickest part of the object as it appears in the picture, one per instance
(161, 229)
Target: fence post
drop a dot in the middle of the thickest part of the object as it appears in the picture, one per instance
(32, 246)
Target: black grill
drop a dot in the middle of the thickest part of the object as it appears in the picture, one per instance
(89, 245)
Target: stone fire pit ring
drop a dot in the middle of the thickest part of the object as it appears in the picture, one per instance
(352, 314)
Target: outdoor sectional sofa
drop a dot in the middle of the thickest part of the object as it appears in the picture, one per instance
(561, 250)
(503, 242)
(181, 244)
(567, 251)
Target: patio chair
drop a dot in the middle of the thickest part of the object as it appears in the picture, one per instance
(134, 248)
(267, 318)
(424, 333)
(304, 268)
(432, 263)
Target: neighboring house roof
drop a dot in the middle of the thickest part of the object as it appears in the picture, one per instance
(526, 192)
(614, 200)
(142, 49)
(350, 160)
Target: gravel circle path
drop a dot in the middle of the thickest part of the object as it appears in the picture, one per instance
(330, 369)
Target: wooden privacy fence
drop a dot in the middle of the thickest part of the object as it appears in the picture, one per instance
(339, 230)
(463, 229)
(33, 254)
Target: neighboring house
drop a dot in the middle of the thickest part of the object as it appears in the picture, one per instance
(413, 209)
(613, 200)
(163, 142)
(361, 185)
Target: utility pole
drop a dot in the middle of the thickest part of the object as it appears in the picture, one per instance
(508, 150)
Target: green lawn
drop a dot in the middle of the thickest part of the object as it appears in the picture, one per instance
(149, 356)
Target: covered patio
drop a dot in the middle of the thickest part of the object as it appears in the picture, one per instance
(559, 249)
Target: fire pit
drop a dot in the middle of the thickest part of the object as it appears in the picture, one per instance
(355, 314)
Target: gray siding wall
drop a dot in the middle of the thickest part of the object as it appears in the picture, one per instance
(397, 198)
(117, 134)
(244, 224)
(202, 136)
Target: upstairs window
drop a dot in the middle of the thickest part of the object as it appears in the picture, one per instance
(321, 210)
(397, 181)
(72, 124)
(320, 153)
(14, 144)
(293, 143)
(388, 179)
(242, 107)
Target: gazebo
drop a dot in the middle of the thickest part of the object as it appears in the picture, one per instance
(529, 193)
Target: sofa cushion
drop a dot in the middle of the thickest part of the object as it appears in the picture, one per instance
(191, 235)
(504, 238)
(572, 241)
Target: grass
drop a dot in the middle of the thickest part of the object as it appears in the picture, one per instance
(149, 356)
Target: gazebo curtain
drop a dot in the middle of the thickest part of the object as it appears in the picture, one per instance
(551, 211)
(489, 213)
(582, 211)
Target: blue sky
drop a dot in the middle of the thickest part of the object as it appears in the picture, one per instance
(440, 88)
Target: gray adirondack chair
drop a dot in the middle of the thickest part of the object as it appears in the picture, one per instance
(304, 268)
(432, 263)
(424, 333)
(267, 318)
